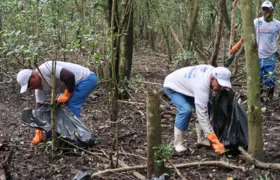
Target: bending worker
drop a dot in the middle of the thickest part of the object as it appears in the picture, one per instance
(189, 88)
(76, 81)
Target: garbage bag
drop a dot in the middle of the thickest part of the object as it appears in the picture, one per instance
(164, 176)
(68, 126)
(82, 176)
(229, 121)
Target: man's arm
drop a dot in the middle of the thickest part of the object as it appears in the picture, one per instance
(40, 97)
(68, 78)
(203, 119)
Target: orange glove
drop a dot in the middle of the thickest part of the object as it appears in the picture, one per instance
(64, 97)
(219, 148)
(39, 137)
(236, 46)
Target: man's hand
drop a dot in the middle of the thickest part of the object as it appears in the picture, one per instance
(219, 147)
(236, 46)
(64, 97)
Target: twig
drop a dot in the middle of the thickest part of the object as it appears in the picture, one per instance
(239, 78)
(131, 102)
(258, 163)
(91, 153)
(119, 170)
(135, 155)
(135, 173)
(5, 165)
(146, 82)
(176, 170)
(205, 163)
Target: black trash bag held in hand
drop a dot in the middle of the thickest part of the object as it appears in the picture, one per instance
(229, 121)
(68, 126)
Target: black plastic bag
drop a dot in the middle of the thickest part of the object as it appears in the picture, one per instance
(229, 121)
(68, 126)
(164, 176)
(82, 176)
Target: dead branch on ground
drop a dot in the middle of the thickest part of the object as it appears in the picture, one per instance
(192, 164)
(256, 162)
(5, 165)
(176, 170)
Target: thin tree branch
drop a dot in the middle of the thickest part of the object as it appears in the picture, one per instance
(205, 163)
(176, 170)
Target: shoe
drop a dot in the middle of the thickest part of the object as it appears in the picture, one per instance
(39, 137)
(178, 140)
(201, 140)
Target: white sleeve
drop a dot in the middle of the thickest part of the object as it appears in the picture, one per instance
(278, 27)
(46, 69)
(203, 119)
(255, 23)
(201, 106)
(40, 95)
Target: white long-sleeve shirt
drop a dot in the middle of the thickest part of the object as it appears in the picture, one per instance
(194, 81)
(80, 73)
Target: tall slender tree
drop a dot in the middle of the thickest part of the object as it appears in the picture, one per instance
(218, 33)
(192, 24)
(126, 46)
(253, 81)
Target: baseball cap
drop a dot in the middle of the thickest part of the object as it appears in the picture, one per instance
(23, 78)
(267, 4)
(222, 75)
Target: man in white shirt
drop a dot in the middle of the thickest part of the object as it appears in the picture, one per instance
(189, 88)
(267, 32)
(76, 81)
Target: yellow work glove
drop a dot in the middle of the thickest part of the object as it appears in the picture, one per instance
(219, 148)
(64, 97)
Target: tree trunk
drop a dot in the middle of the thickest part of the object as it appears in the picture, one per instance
(79, 32)
(164, 33)
(153, 132)
(113, 82)
(151, 32)
(141, 17)
(232, 30)
(253, 82)
(126, 49)
(227, 18)
(218, 34)
(53, 118)
(194, 14)
(1, 28)
(258, 7)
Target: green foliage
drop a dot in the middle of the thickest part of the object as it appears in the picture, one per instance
(33, 30)
(184, 58)
(162, 153)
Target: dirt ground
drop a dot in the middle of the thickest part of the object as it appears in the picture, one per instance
(38, 162)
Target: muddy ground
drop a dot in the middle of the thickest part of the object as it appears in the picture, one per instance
(37, 162)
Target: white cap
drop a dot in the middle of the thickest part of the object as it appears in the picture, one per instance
(23, 78)
(267, 4)
(222, 75)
